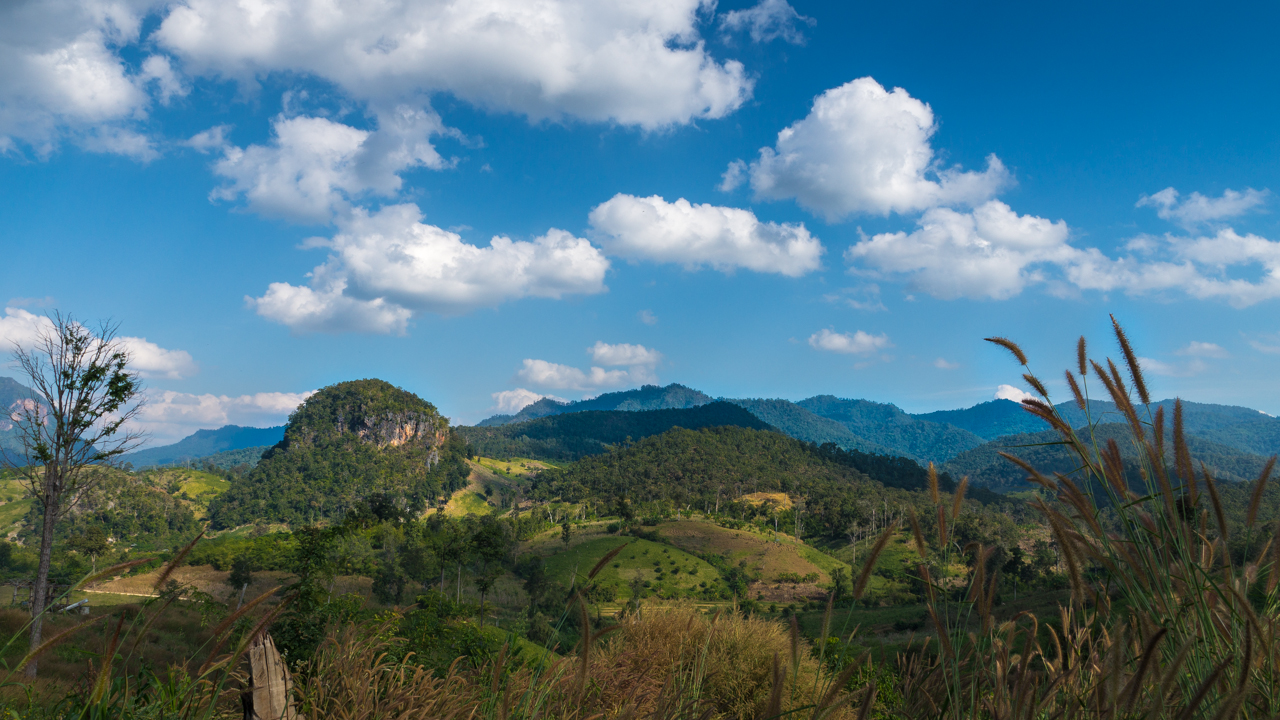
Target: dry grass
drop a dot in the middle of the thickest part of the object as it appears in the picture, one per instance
(778, 501)
(738, 654)
(353, 677)
(766, 554)
(1161, 622)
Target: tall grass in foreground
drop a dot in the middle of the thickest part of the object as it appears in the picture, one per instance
(1161, 623)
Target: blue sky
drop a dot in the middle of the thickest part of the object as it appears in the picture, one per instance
(753, 199)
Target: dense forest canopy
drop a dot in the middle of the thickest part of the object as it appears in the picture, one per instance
(571, 436)
(713, 468)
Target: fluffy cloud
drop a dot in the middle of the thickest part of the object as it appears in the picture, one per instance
(19, 327)
(863, 149)
(768, 20)
(510, 402)
(703, 235)
(647, 317)
(314, 166)
(170, 416)
(1009, 392)
(623, 354)
(1197, 209)
(1201, 267)
(859, 343)
(151, 360)
(639, 360)
(944, 364)
(633, 63)
(987, 253)
(566, 377)
(386, 265)
(65, 79)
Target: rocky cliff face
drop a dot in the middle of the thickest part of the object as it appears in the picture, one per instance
(374, 411)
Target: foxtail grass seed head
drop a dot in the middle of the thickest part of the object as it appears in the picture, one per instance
(1258, 488)
(1011, 346)
(1131, 359)
(1082, 360)
(1036, 385)
(933, 484)
(957, 500)
(1075, 391)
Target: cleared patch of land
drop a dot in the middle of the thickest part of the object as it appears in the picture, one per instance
(770, 555)
(660, 570)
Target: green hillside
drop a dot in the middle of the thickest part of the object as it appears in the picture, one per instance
(890, 427)
(130, 509)
(714, 469)
(799, 423)
(985, 467)
(228, 459)
(345, 444)
(571, 436)
(989, 420)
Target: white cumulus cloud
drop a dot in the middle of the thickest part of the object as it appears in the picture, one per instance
(385, 266)
(700, 235)
(22, 328)
(510, 402)
(864, 149)
(1202, 267)
(990, 252)
(859, 343)
(64, 78)
(170, 416)
(566, 377)
(607, 372)
(623, 354)
(1197, 209)
(600, 60)
(315, 166)
(1009, 392)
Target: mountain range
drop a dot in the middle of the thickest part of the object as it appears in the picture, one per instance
(203, 443)
(963, 441)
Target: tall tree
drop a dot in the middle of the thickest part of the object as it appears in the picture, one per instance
(84, 396)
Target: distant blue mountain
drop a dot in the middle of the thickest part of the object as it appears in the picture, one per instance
(647, 397)
(202, 443)
(989, 420)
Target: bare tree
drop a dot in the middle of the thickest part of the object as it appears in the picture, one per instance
(83, 398)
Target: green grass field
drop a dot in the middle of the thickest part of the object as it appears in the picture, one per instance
(681, 574)
(11, 513)
(467, 502)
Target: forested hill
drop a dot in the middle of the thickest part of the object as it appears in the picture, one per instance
(571, 436)
(801, 424)
(888, 426)
(984, 466)
(717, 467)
(202, 443)
(345, 444)
(647, 397)
(989, 420)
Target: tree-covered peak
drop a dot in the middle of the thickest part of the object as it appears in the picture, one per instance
(374, 410)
